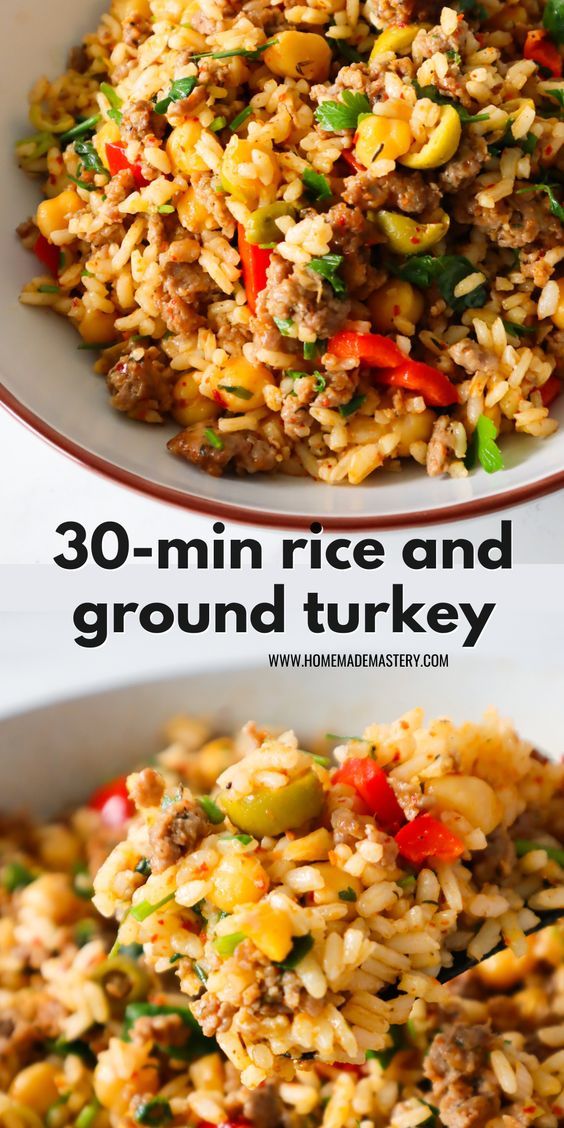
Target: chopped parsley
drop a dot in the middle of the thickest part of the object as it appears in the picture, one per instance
(48, 288)
(344, 49)
(153, 1112)
(133, 951)
(314, 348)
(180, 89)
(384, 1057)
(353, 405)
(299, 950)
(213, 438)
(16, 876)
(483, 447)
(211, 809)
(334, 117)
(347, 894)
(144, 867)
(284, 325)
(240, 119)
(218, 123)
(435, 95)
(525, 846)
(554, 206)
(200, 973)
(316, 185)
(447, 271)
(81, 183)
(471, 8)
(89, 157)
(320, 382)
(145, 909)
(244, 839)
(82, 882)
(327, 266)
(84, 931)
(528, 143)
(78, 130)
(237, 390)
(553, 20)
(253, 54)
(165, 209)
(114, 113)
(518, 330)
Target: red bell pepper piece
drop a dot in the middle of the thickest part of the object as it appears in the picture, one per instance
(48, 254)
(425, 838)
(366, 348)
(371, 783)
(540, 48)
(550, 390)
(113, 803)
(433, 385)
(255, 261)
(117, 160)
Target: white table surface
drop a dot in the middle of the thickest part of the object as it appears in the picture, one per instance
(39, 661)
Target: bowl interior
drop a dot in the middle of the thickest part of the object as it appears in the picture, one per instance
(50, 383)
(54, 756)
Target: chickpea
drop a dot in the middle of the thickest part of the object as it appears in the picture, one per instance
(181, 145)
(558, 315)
(53, 215)
(396, 39)
(249, 190)
(238, 880)
(299, 54)
(396, 301)
(504, 970)
(97, 328)
(239, 385)
(189, 405)
(382, 138)
(471, 797)
(115, 1090)
(35, 1086)
(194, 215)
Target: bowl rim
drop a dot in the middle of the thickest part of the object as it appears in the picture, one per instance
(477, 507)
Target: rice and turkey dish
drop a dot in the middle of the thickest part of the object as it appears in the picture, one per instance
(280, 927)
(321, 237)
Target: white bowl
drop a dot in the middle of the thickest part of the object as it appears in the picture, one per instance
(49, 385)
(54, 756)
